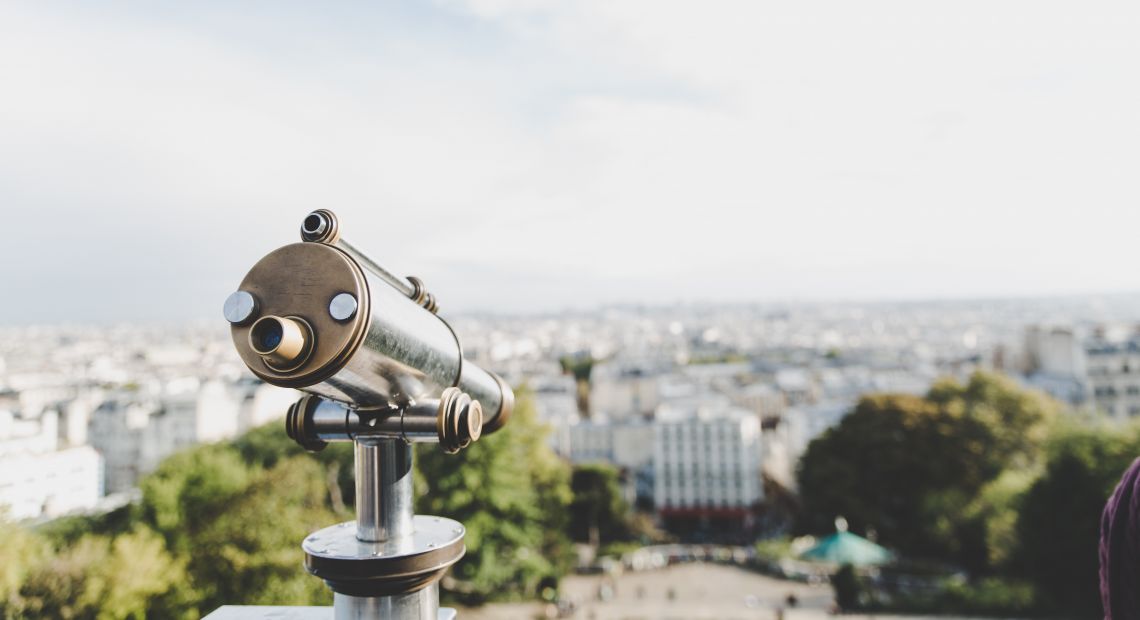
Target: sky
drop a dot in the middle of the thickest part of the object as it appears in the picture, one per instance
(525, 155)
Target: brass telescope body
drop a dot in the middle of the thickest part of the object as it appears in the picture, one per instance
(322, 323)
(381, 369)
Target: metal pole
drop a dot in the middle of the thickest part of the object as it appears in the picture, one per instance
(384, 491)
(384, 514)
(421, 605)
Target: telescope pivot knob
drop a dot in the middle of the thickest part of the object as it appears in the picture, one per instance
(299, 424)
(460, 420)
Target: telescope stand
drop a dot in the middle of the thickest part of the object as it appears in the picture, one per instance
(389, 562)
(379, 367)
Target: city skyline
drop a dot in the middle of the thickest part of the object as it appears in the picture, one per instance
(526, 157)
(702, 421)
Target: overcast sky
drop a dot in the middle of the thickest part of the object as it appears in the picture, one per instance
(528, 155)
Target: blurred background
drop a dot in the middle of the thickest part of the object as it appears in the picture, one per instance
(813, 306)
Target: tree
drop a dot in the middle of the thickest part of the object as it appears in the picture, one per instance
(21, 552)
(250, 553)
(189, 489)
(909, 467)
(103, 578)
(1060, 517)
(598, 513)
(264, 446)
(511, 493)
(580, 366)
(1016, 421)
(223, 524)
(237, 513)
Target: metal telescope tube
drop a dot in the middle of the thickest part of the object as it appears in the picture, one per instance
(311, 316)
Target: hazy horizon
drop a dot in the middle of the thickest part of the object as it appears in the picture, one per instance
(1111, 307)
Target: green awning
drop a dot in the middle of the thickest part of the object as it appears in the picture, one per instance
(846, 548)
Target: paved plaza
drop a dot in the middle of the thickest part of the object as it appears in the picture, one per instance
(683, 592)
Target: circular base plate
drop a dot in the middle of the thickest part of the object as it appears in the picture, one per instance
(360, 568)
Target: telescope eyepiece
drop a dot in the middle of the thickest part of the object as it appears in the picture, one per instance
(267, 336)
(282, 342)
(320, 226)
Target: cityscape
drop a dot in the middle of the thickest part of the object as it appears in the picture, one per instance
(592, 310)
(704, 412)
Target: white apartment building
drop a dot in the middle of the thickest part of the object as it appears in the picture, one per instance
(135, 432)
(707, 465)
(621, 391)
(1114, 377)
(1054, 351)
(1055, 362)
(261, 403)
(39, 477)
(555, 398)
(591, 442)
(786, 437)
(1103, 369)
(761, 398)
(556, 405)
(797, 386)
(118, 431)
(627, 445)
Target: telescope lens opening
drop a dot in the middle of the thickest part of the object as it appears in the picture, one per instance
(267, 335)
(313, 224)
(282, 342)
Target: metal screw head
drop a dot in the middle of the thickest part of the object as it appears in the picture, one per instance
(240, 307)
(343, 306)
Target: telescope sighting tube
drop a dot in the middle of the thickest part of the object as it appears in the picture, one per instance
(322, 317)
(322, 226)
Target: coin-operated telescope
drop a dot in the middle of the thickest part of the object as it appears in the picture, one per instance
(381, 369)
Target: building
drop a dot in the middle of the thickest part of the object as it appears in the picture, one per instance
(761, 398)
(797, 386)
(626, 445)
(40, 478)
(134, 431)
(707, 471)
(1054, 351)
(118, 431)
(556, 405)
(1057, 363)
(50, 484)
(1114, 376)
(618, 391)
(591, 442)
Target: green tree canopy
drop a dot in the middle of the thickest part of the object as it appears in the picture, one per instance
(909, 466)
(190, 489)
(511, 492)
(598, 512)
(250, 552)
(1059, 522)
(20, 554)
(102, 578)
(223, 524)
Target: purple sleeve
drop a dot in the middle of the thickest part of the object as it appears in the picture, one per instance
(1119, 552)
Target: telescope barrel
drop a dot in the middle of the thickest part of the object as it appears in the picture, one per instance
(325, 319)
